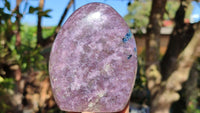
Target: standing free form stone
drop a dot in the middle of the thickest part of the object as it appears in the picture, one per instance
(93, 61)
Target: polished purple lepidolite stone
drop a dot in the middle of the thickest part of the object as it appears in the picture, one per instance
(93, 61)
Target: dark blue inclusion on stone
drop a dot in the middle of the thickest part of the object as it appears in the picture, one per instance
(127, 36)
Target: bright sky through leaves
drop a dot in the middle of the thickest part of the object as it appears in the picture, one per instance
(58, 7)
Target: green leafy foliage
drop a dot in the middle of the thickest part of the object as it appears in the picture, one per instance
(7, 4)
(33, 9)
(141, 78)
(191, 108)
(48, 31)
(4, 16)
(3, 50)
(28, 55)
(189, 11)
(39, 11)
(171, 8)
(138, 14)
(44, 13)
(140, 89)
(6, 85)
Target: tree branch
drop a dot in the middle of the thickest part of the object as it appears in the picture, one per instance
(63, 16)
(50, 39)
(180, 37)
(18, 18)
(153, 32)
(167, 93)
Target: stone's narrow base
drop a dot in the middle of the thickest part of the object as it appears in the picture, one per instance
(93, 61)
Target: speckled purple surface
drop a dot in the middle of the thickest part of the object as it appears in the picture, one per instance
(93, 61)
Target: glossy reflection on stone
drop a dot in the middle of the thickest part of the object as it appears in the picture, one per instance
(93, 61)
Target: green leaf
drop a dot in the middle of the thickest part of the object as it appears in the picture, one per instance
(4, 16)
(33, 9)
(1, 11)
(1, 79)
(7, 4)
(44, 13)
(18, 13)
(47, 16)
(47, 11)
(8, 83)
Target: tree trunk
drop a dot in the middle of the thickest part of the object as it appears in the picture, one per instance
(175, 67)
(153, 32)
(189, 93)
(39, 26)
(165, 93)
(8, 31)
(179, 39)
(153, 44)
(18, 18)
